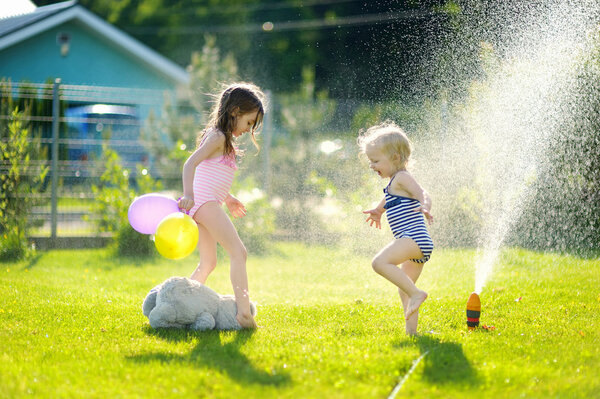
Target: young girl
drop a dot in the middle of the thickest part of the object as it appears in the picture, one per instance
(405, 202)
(207, 177)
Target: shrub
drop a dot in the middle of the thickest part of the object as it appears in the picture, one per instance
(113, 194)
(13, 246)
(113, 197)
(18, 184)
(132, 243)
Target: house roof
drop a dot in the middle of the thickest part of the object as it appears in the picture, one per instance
(18, 28)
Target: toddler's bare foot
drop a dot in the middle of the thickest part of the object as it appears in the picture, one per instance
(414, 302)
(246, 321)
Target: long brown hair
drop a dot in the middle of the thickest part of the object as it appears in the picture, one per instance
(240, 99)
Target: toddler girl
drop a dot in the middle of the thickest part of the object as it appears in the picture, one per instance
(406, 205)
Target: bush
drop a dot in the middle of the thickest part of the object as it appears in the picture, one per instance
(113, 197)
(13, 246)
(19, 180)
(113, 194)
(132, 243)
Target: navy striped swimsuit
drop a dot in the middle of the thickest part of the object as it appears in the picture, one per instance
(404, 222)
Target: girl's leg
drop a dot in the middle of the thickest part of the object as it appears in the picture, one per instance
(384, 263)
(413, 271)
(207, 246)
(219, 226)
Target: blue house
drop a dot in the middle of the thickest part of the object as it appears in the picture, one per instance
(66, 41)
(109, 80)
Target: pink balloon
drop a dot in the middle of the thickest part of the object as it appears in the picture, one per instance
(146, 212)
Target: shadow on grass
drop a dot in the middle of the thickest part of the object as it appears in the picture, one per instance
(33, 261)
(219, 350)
(445, 362)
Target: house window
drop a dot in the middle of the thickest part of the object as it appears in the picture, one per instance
(63, 39)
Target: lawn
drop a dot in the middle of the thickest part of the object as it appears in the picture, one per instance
(71, 326)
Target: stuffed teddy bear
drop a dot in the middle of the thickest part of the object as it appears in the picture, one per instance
(180, 302)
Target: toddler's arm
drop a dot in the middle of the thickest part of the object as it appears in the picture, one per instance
(407, 183)
(375, 214)
(425, 212)
(426, 207)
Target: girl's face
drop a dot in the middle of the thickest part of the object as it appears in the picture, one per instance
(379, 162)
(244, 123)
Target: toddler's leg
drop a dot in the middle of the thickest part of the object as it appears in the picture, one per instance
(413, 271)
(384, 263)
(218, 224)
(412, 321)
(207, 246)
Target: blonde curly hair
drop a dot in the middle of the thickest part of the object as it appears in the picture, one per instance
(390, 139)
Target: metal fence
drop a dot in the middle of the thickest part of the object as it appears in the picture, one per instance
(75, 122)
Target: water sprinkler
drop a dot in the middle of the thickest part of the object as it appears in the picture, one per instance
(473, 311)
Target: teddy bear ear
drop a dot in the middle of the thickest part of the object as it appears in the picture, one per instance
(149, 302)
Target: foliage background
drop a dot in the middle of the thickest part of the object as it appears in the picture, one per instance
(345, 56)
(21, 176)
(327, 82)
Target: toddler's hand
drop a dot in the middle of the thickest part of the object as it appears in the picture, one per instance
(374, 217)
(185, 203)
(425, 212)
(235, 206)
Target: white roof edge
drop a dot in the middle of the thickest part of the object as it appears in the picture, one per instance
(120, 39)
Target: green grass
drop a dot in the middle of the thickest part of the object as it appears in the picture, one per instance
(71, 326)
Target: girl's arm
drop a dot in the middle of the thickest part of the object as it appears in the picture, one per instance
(235, 206)
(214, 143)
(375, 214)
(405, 183)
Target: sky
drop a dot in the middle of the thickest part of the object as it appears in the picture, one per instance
(8, 8)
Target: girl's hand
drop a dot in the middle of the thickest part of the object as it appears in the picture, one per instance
(374, 217)
(185, 203)
(246, 321)
(236, 208)
(425, 212)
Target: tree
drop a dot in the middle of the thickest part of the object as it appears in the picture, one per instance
(365, 50)
(20, 179)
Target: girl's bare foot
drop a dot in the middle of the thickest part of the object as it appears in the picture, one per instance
(414, 302)
(246, 321)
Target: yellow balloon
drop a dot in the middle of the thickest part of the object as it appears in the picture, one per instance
(176, 236)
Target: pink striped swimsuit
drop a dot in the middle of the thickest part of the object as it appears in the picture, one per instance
(212, 180)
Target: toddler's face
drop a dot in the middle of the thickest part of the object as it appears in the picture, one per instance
(379, 162)
(244, 123)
